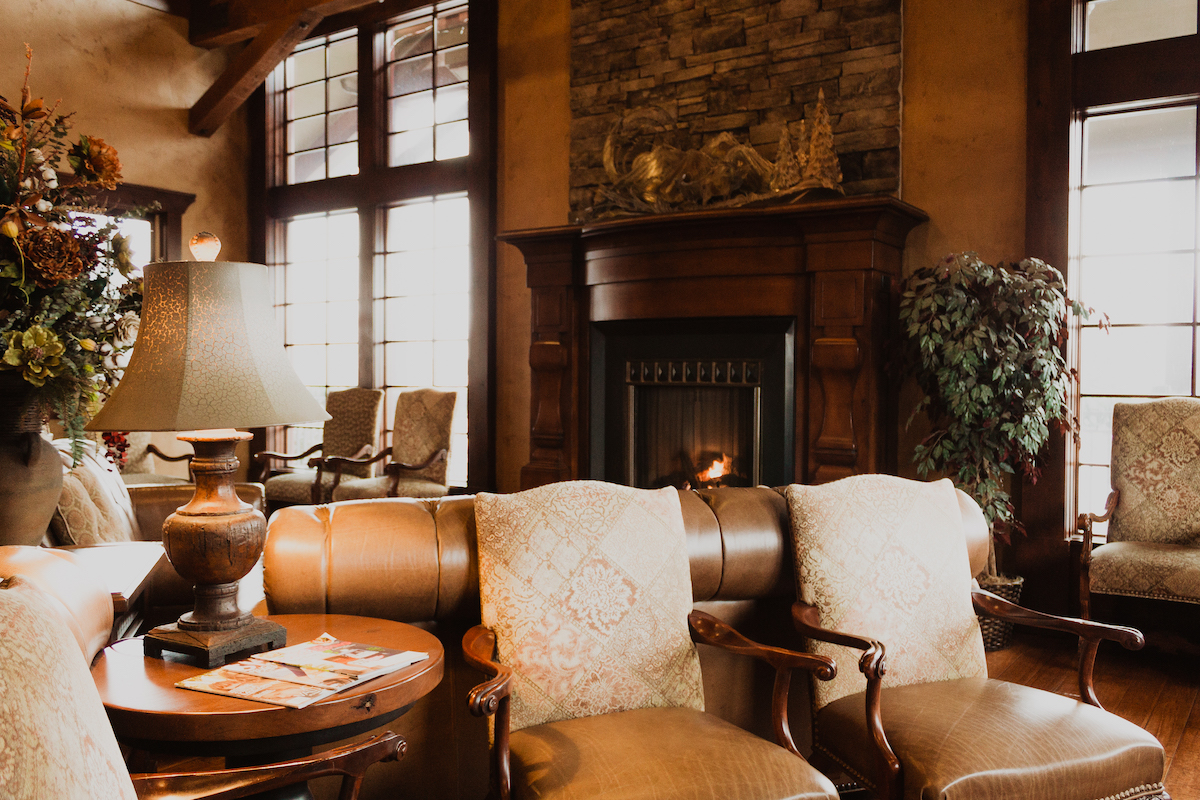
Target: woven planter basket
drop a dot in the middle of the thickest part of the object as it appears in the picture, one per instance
(996, 633)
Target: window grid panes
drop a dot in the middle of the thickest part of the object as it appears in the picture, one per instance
(426, 85)
(1112, 23)
(424, 302)
(320, 86)
(317, 300)
(1135, 259)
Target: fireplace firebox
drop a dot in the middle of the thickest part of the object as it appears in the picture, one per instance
(692, 403)
(750, 341)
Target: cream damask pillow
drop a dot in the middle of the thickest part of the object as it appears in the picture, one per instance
(94, 506)
(886, 558)
(55, 739)
(587, 587)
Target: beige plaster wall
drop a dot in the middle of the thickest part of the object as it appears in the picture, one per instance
(534, 134)
(130, 76)
(963, 127)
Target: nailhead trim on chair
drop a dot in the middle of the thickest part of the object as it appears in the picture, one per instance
(1152, 596)
(1148, 791)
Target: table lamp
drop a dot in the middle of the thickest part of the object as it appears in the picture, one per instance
(207, 360)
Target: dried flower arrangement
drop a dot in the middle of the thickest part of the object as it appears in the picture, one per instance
(69, 301)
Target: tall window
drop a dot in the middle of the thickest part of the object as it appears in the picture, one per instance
(1114, 195)
(379, 211)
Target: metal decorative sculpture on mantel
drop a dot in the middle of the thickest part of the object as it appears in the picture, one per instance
(653, 171)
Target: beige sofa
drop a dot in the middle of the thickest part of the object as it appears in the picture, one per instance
(415, 561)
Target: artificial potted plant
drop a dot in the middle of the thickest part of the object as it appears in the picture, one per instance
(984, 344)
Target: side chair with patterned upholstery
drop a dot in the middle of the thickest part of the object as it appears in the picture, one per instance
(352, 430)
(594, 679)
(416, 462)
(885, 580)
(1152, 546)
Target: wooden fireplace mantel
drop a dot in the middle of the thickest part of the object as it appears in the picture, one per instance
(829, 265)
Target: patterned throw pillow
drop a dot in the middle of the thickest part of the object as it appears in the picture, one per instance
(94, 506)
(1156, 467)
(587, 587)
(55, 741)
(886, 558)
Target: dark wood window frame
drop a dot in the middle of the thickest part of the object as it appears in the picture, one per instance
(377, 185)
(1063, 80)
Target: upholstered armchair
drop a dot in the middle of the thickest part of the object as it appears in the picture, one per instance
(1152, 545)
(885, 580)
(139, 461)
(594, 680)
(416, 463)
(350, 432)
(57, 739)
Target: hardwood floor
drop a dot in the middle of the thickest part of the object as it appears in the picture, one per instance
(1156, 687)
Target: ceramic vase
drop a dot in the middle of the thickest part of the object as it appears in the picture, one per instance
(31, 470)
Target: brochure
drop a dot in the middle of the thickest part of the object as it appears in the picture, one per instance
(302, 674)
(226, 682)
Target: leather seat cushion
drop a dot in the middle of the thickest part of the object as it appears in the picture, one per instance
(980, 738)
(1147, 569)
(676, 753)
(361, 489)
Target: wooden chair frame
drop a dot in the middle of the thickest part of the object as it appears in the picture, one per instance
(315, 494)
(873, 665)
(492, 697)
(392, 469)
(1085, 523)
(349, 761)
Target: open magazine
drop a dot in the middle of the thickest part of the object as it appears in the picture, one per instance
(302, 674)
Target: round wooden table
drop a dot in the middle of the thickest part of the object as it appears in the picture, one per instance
(148, 712)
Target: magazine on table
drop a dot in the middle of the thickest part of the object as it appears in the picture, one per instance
(302, 674)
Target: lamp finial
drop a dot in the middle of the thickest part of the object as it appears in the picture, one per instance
(205, 246)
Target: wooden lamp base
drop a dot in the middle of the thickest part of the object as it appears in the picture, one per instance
(214, 541)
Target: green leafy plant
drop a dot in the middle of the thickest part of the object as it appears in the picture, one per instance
(984, 344)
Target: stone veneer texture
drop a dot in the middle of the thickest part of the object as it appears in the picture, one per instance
(743, 66)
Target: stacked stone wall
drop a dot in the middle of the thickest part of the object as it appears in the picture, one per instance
(748, 67)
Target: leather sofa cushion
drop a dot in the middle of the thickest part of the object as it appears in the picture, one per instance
(986, 739)
(679, 753)
(57, 741)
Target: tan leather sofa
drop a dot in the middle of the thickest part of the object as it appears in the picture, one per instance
(415, 561)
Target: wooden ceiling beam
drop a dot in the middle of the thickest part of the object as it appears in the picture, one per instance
(251, 67)
(216, 23)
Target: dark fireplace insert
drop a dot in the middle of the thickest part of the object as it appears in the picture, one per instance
(694, 403)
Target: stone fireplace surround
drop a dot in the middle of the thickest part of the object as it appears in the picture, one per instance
(824, 269)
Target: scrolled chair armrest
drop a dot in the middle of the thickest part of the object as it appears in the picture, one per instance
(1090, 633)
(264, 456)
(479, 647)
(707, 629)
(358, 459)
(350, 761)
(873, 665)
(398, 466)
(153, 450)
(491, 698)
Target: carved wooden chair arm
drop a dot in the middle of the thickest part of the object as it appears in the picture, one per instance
(709, 630)
(358, 459)
(1086, 520)
(1090, 633)
(150, 448)
(266, 455)
(398, 466)
(491, 698)
(873, 665)
(350, 761)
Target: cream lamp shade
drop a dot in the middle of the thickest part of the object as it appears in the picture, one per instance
(207, 355)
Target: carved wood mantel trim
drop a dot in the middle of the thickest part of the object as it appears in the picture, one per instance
(829, 265)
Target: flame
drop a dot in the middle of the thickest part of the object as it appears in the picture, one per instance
(719, 468)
